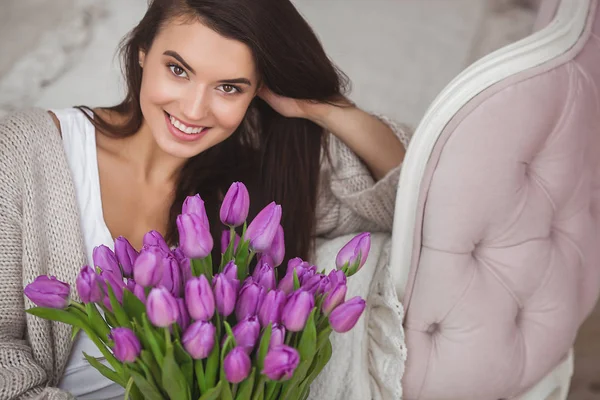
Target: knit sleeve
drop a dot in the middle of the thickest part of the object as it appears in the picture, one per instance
(349, 199)
(20, 376)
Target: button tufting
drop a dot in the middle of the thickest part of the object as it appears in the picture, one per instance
(433, 328)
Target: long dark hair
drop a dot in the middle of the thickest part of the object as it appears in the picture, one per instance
(278, 158)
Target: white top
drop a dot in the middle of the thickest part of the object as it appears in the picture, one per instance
(79, 141)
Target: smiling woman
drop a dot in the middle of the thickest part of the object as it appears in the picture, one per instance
(217, 91)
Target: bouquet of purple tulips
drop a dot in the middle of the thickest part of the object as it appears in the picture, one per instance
(172, 326)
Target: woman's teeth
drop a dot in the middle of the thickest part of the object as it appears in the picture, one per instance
(183, 128)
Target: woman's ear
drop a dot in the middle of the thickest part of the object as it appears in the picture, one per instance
(142, 58)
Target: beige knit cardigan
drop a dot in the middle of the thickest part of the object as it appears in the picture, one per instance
(40, 233)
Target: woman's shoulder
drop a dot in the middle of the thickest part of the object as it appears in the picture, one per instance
(29, 126)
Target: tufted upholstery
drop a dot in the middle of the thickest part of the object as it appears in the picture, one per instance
(507, 260)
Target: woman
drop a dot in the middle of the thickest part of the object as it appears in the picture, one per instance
(217, 91)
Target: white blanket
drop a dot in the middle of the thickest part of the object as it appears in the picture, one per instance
(367, 362)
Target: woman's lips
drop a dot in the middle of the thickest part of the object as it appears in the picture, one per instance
(179, 134)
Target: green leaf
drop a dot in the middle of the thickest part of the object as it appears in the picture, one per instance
(97, 322)
(296, 280)
(227, 346)
(246, 386)
(185, 362)
(200, 376)
(273, 390)
(118, 310)
(212, 394)
(71, 318)
(212, 365)
(263, 347)
(154, 340)
(228, 255)
(229, 334)
(64, 316)
(104, 370)
(138, 329)
(150, 363)
(321, 359)
(128, 388)
(74, 332)
(173, 380)
(133, 306)
(260, 388)
(110, 317)
(323, 337)
(226, 391)
(147, 390)
(197, 267)
(292, 384)
(308, 341)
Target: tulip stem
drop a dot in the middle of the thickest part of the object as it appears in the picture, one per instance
(79, 306)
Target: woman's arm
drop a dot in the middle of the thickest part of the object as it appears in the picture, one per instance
(366, 135)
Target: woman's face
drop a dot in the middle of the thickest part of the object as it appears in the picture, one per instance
(196, 87)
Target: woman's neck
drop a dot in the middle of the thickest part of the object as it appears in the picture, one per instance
(149, 163)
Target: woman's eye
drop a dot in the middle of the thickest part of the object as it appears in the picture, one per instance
(177, 70)
(229, 89)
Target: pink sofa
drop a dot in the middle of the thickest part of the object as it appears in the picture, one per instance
(497, 227)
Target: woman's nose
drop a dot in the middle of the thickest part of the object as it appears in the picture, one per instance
(196, 105)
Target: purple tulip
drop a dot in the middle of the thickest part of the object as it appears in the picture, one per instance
(185, 269)
(225, 238)
(148, 267)
(105, 259)
(127, 346)
(199, 339)
(263, 228)
(88, 285)
(162, 307)
(139, 292)
(49, 292)
(171, 278)
(237, 365)
(281, 362)
(308, 274)
(195, 239)
(195, 205)
(236, 204)
(277, 249)
(225, 294)
(272, 307)
(184, 318)
(354, 254)
(200, 299)
(126, 255)
(297, 309)
(116, 284)
(264, 274)
(249, 300)
(154, 238)
(230, 270)
(334, 298)
(246, 333)
(313, 283)
(335, 278)
(344, 317)
(277, 335)
(287, 283)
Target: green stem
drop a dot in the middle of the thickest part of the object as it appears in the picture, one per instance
(79, 306)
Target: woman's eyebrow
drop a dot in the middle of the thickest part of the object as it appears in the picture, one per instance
(176, 56)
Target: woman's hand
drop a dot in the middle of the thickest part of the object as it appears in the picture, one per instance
(367, 136)
(288, 107)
